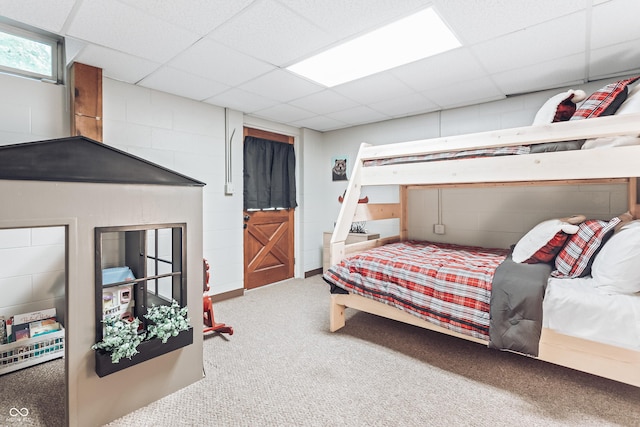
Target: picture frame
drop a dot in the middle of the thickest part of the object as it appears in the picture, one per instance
(339, 166)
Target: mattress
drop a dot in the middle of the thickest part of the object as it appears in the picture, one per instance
(579, 308)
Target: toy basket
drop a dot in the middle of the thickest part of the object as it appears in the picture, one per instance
(29, 352)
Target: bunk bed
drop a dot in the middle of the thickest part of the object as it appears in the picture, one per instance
(422, 164)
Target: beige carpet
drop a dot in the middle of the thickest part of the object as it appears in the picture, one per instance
(283, 368)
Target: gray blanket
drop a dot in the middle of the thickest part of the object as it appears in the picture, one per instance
(516, 306)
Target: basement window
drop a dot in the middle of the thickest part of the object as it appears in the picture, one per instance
(31, 53)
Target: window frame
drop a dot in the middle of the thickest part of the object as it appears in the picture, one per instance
(55, 42)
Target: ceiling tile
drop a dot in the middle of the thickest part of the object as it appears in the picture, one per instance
(477, 21)
(465, 93)
(551, 74)
(281, 85)
(440, 70)
(49, 15)
(241, 100)
(324, 102)
(233, 53)
(212, 60)
(320, 123)
(346, 18)
(117, 65)
(531, 45)
(200, 16)
(283, 113)
(413, 103)
(358, 115)
(120, 27)
(271, 32)
(375, 88)
(615, 60)
(615, 22)
(183, 84)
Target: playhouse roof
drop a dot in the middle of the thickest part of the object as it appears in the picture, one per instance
(81, 159)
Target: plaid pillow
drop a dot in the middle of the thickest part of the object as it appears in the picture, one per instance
(549, 250)
(605, 101)
(576, 257)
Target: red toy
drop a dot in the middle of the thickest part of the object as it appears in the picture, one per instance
(210, 324)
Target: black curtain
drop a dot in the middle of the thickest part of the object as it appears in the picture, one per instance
(269, 174)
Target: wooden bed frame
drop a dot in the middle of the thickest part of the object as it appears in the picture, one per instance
(595, 166)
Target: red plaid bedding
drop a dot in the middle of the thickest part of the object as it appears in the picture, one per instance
(445, 284)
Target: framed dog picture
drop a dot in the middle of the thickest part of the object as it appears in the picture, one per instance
(339, 168)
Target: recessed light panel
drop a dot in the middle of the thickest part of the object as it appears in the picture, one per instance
(415, 37)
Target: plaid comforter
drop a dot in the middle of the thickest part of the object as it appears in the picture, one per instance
(445, 284)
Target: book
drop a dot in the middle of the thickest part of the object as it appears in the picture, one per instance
(9, 326)
(33, 316)
(3, 330)
(42, 327)
(20, 332)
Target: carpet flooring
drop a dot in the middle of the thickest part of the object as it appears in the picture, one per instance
(282, 367)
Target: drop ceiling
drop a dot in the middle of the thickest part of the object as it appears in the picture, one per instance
(234, 53)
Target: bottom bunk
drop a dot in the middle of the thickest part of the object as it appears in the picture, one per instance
(553, 310)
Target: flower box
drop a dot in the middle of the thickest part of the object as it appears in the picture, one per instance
(146, 350)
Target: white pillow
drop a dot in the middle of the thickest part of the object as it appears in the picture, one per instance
(611, 141)
(539, 236)
(617, 265)
(546, 114)
(632, 103)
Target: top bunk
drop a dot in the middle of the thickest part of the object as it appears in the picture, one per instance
(565, 142)
(401, 163)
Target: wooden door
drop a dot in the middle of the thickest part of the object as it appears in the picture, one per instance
(268, 236)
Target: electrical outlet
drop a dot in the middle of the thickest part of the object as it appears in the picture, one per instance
(438, 228)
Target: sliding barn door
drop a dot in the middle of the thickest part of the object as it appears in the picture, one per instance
(268, 233)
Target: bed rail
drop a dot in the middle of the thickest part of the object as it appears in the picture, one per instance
(527, 135)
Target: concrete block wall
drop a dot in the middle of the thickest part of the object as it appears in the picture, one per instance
(32, 270)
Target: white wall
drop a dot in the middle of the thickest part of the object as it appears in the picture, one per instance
(32, 270)
(187, 137)
(313, 212)
(31, 110)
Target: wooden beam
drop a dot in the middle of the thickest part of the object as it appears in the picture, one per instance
(618, 162)
(634, 208)
(602, 181)
(560, 131)
(355, 248)
(404, 212)
(376, 211)
(86, 101)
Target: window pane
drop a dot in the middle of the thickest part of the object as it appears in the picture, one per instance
(26, 55)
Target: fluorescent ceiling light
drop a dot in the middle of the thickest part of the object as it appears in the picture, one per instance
(412, 38)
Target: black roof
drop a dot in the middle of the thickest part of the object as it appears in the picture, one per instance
(81, 159)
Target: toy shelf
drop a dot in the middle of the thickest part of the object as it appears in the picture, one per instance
(31, 351)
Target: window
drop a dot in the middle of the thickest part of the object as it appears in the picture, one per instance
(137, 267)
(32, 54)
